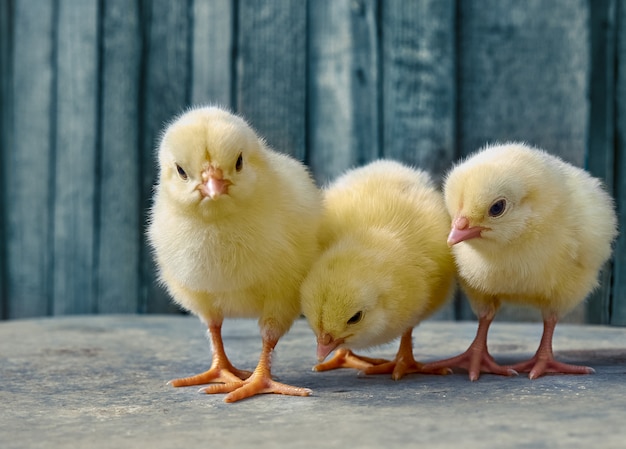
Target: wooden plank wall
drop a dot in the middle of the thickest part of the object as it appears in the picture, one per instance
(86, 87)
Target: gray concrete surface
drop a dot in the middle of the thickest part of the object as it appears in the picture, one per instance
(100, 382)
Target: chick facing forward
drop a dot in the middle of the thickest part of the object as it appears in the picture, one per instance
(527, 228)
(384, 267)
(234, 231)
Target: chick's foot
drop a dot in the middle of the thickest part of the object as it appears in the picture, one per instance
(540, 365)
(221, 369)
(344, 358)
(399, 367)
(405, 363)
(476, 359)
(217, 374)
(260, 382)
(543, 361)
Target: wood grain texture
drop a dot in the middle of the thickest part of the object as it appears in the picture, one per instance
(118, 223)
(75, 122)
(213, 45)
(618, 304)
(87, 86)
(166, 79)
(419, 83)
(271, 71)
(28, 161)
(6, 131)
(419, 88)
(600, 157)
(344, 86)
(524, 75)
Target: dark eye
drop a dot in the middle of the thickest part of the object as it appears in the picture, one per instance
(239, 163)
(356, 317)
(497, 208)
(181, 172)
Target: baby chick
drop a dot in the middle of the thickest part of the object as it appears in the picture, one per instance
(384, 266)
(234, 231)
(527, 228)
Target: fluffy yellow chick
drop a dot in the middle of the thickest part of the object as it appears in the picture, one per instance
(384, 266)
(234, 231)
(527, 228)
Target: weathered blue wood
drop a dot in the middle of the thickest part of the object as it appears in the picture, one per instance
(524, 74)
(119, 227)
(523, 71)
(212, 62)
(344, 87)
(618, 303)
(75, 123)
(271, 71)
(86, 87)
(419, 87)
(600, 158)
(166, 79)
(419, 83)
(27, 183)
(6, 128)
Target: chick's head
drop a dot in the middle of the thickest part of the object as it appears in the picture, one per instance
(209, 157)
(496, 196)
(341, 299)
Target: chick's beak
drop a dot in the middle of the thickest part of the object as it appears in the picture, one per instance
(213, 183)
(461, 230)
(326, 344)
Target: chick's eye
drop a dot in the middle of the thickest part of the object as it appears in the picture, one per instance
(497, 208)
(181, 172)
(356, 317)
(239, 163)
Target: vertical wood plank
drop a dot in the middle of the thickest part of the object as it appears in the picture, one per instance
(6, 101)
(524, 75)
(271, 71)
(419, 83)
(166, 78)
(618, 304)
(212, 52)
(344, 86)
(419, 88)
(119, 226)
(75, 164)
(28, 162)
(600, 158)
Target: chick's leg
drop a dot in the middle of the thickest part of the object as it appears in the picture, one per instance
(344, 358)
(221, 369)
(476, 358)
(543, 361)
(261, 379)
(404, 363)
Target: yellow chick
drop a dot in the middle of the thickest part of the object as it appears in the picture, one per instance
(234, 231)
(384, 266)
(526, 228)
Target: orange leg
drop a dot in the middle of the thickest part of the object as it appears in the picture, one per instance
(543, 361)
(476, 358)
(344, 358)
(221, 369)
(404, 363)
(259, 382)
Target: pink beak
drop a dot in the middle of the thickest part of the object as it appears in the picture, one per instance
(462, 231)
(214, 183)
(325, 345)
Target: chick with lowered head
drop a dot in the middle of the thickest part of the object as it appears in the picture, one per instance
(234, 231)
(384, 267)
(527, 228)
